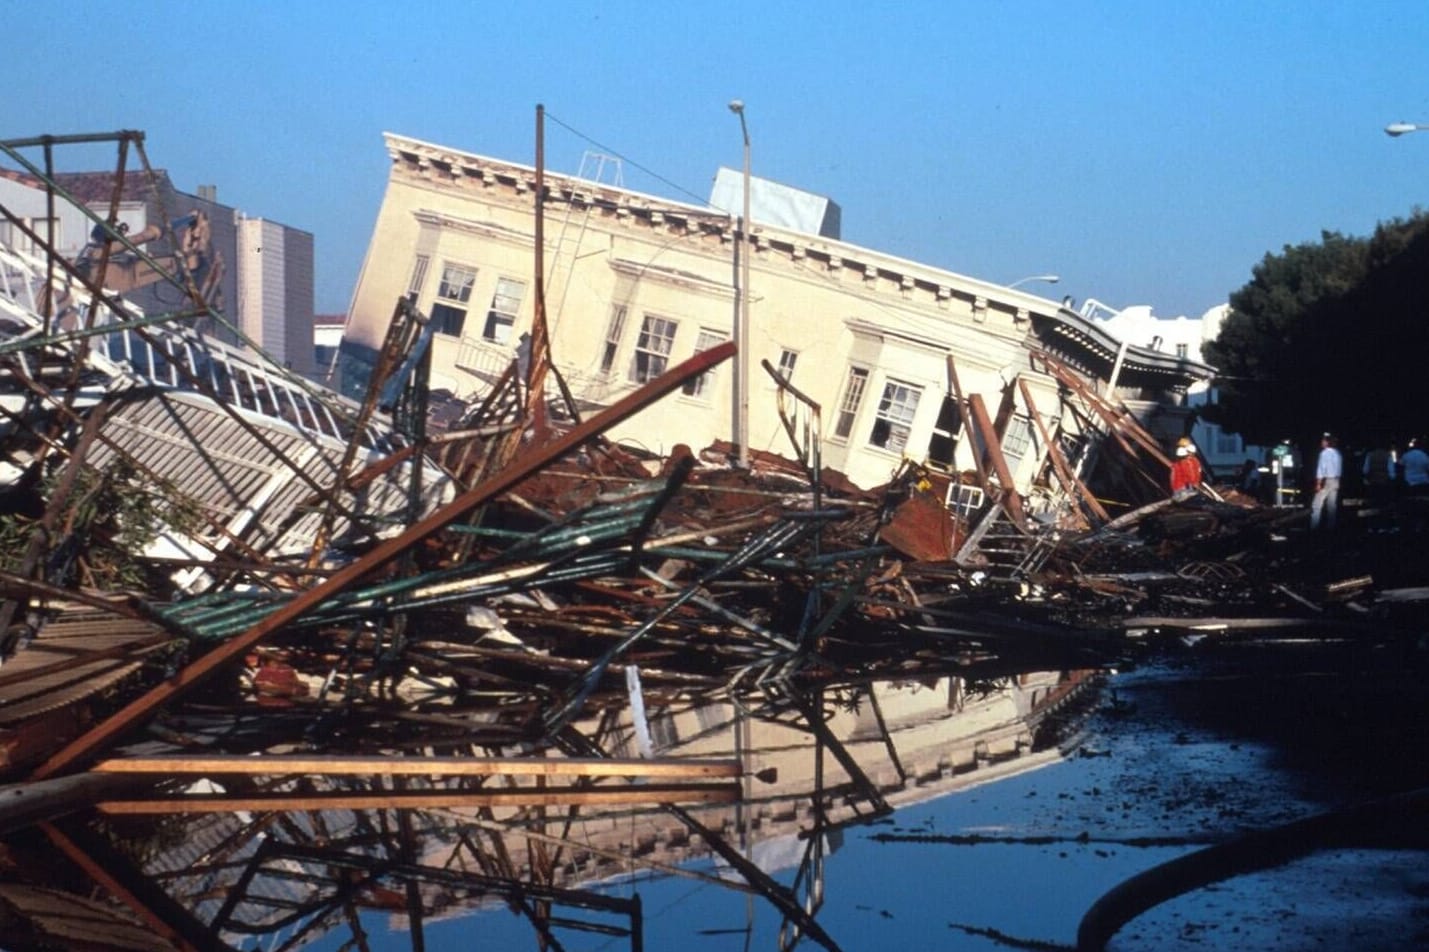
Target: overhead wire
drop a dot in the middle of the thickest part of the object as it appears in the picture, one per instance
(623, 158)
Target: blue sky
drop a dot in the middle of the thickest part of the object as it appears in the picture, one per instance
(1149, 153)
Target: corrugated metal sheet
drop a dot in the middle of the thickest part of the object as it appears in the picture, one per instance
(75, 656)
(74, 922)
(224, 468)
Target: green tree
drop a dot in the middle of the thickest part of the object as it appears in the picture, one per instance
(1303, 347)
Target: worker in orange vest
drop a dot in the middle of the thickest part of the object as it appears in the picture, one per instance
(1186, 471)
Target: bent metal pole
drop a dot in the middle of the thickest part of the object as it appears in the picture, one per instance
(538, 458)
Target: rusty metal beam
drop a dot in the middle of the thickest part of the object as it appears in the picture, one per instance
(538, 458)
(403, 329)
(76, 139)
(1117, 418)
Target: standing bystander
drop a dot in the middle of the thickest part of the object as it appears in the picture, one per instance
(1414, 465)
(1414, 471)
(1328, 470)
(1378, 472)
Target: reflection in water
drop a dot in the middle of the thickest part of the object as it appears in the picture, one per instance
(729, 794)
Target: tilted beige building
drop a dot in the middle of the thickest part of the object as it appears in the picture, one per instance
(635, 283)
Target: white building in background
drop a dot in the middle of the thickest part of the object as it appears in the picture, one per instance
(1183, 338)
(327, 338)
(275, 291)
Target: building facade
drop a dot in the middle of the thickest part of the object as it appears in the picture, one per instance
(635, 283)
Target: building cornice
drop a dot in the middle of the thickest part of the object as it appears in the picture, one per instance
(470, 226)
(862, 327)
(672, 276)
(1097, 352)
(442, 167)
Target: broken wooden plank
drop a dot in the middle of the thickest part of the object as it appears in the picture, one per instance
(336, 765)
(426, 800)
(1069, 481)
(992, 448)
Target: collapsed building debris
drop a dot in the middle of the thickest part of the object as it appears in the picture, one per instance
(419, 616)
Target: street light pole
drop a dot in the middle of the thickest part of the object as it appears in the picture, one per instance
(1049, 278)
(1400, 128)
(741, 324)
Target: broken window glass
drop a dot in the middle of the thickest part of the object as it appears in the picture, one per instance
(701, 385)
(453, 294)
(895, 416)
(505, 304)
(652, 349)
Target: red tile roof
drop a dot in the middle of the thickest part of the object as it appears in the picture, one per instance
(22, 177)
(96, 187)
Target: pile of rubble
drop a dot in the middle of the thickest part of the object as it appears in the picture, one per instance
(209, 559)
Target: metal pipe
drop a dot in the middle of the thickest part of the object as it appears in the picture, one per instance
(741, 326)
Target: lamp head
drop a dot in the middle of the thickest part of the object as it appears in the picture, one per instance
(736, 106)
(1048, 278)
(1393, 129)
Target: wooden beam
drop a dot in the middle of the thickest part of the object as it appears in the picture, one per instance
(632, 794)
(1010, 500)
(1059, 462)
(335, 765)
(957, 390)
(537, 459)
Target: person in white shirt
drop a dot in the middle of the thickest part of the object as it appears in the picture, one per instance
(1328, 470)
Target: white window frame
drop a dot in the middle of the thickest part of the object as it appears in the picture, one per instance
(22, 243)
(893, 418)
(420, 264)
(702, 385)
(613, 332)
(505, 306)
(652, 347)
(788, 360)
(855, 386)
(454, 295)
(1017, 440)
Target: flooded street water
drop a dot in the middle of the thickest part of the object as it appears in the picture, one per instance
(1175, 756)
